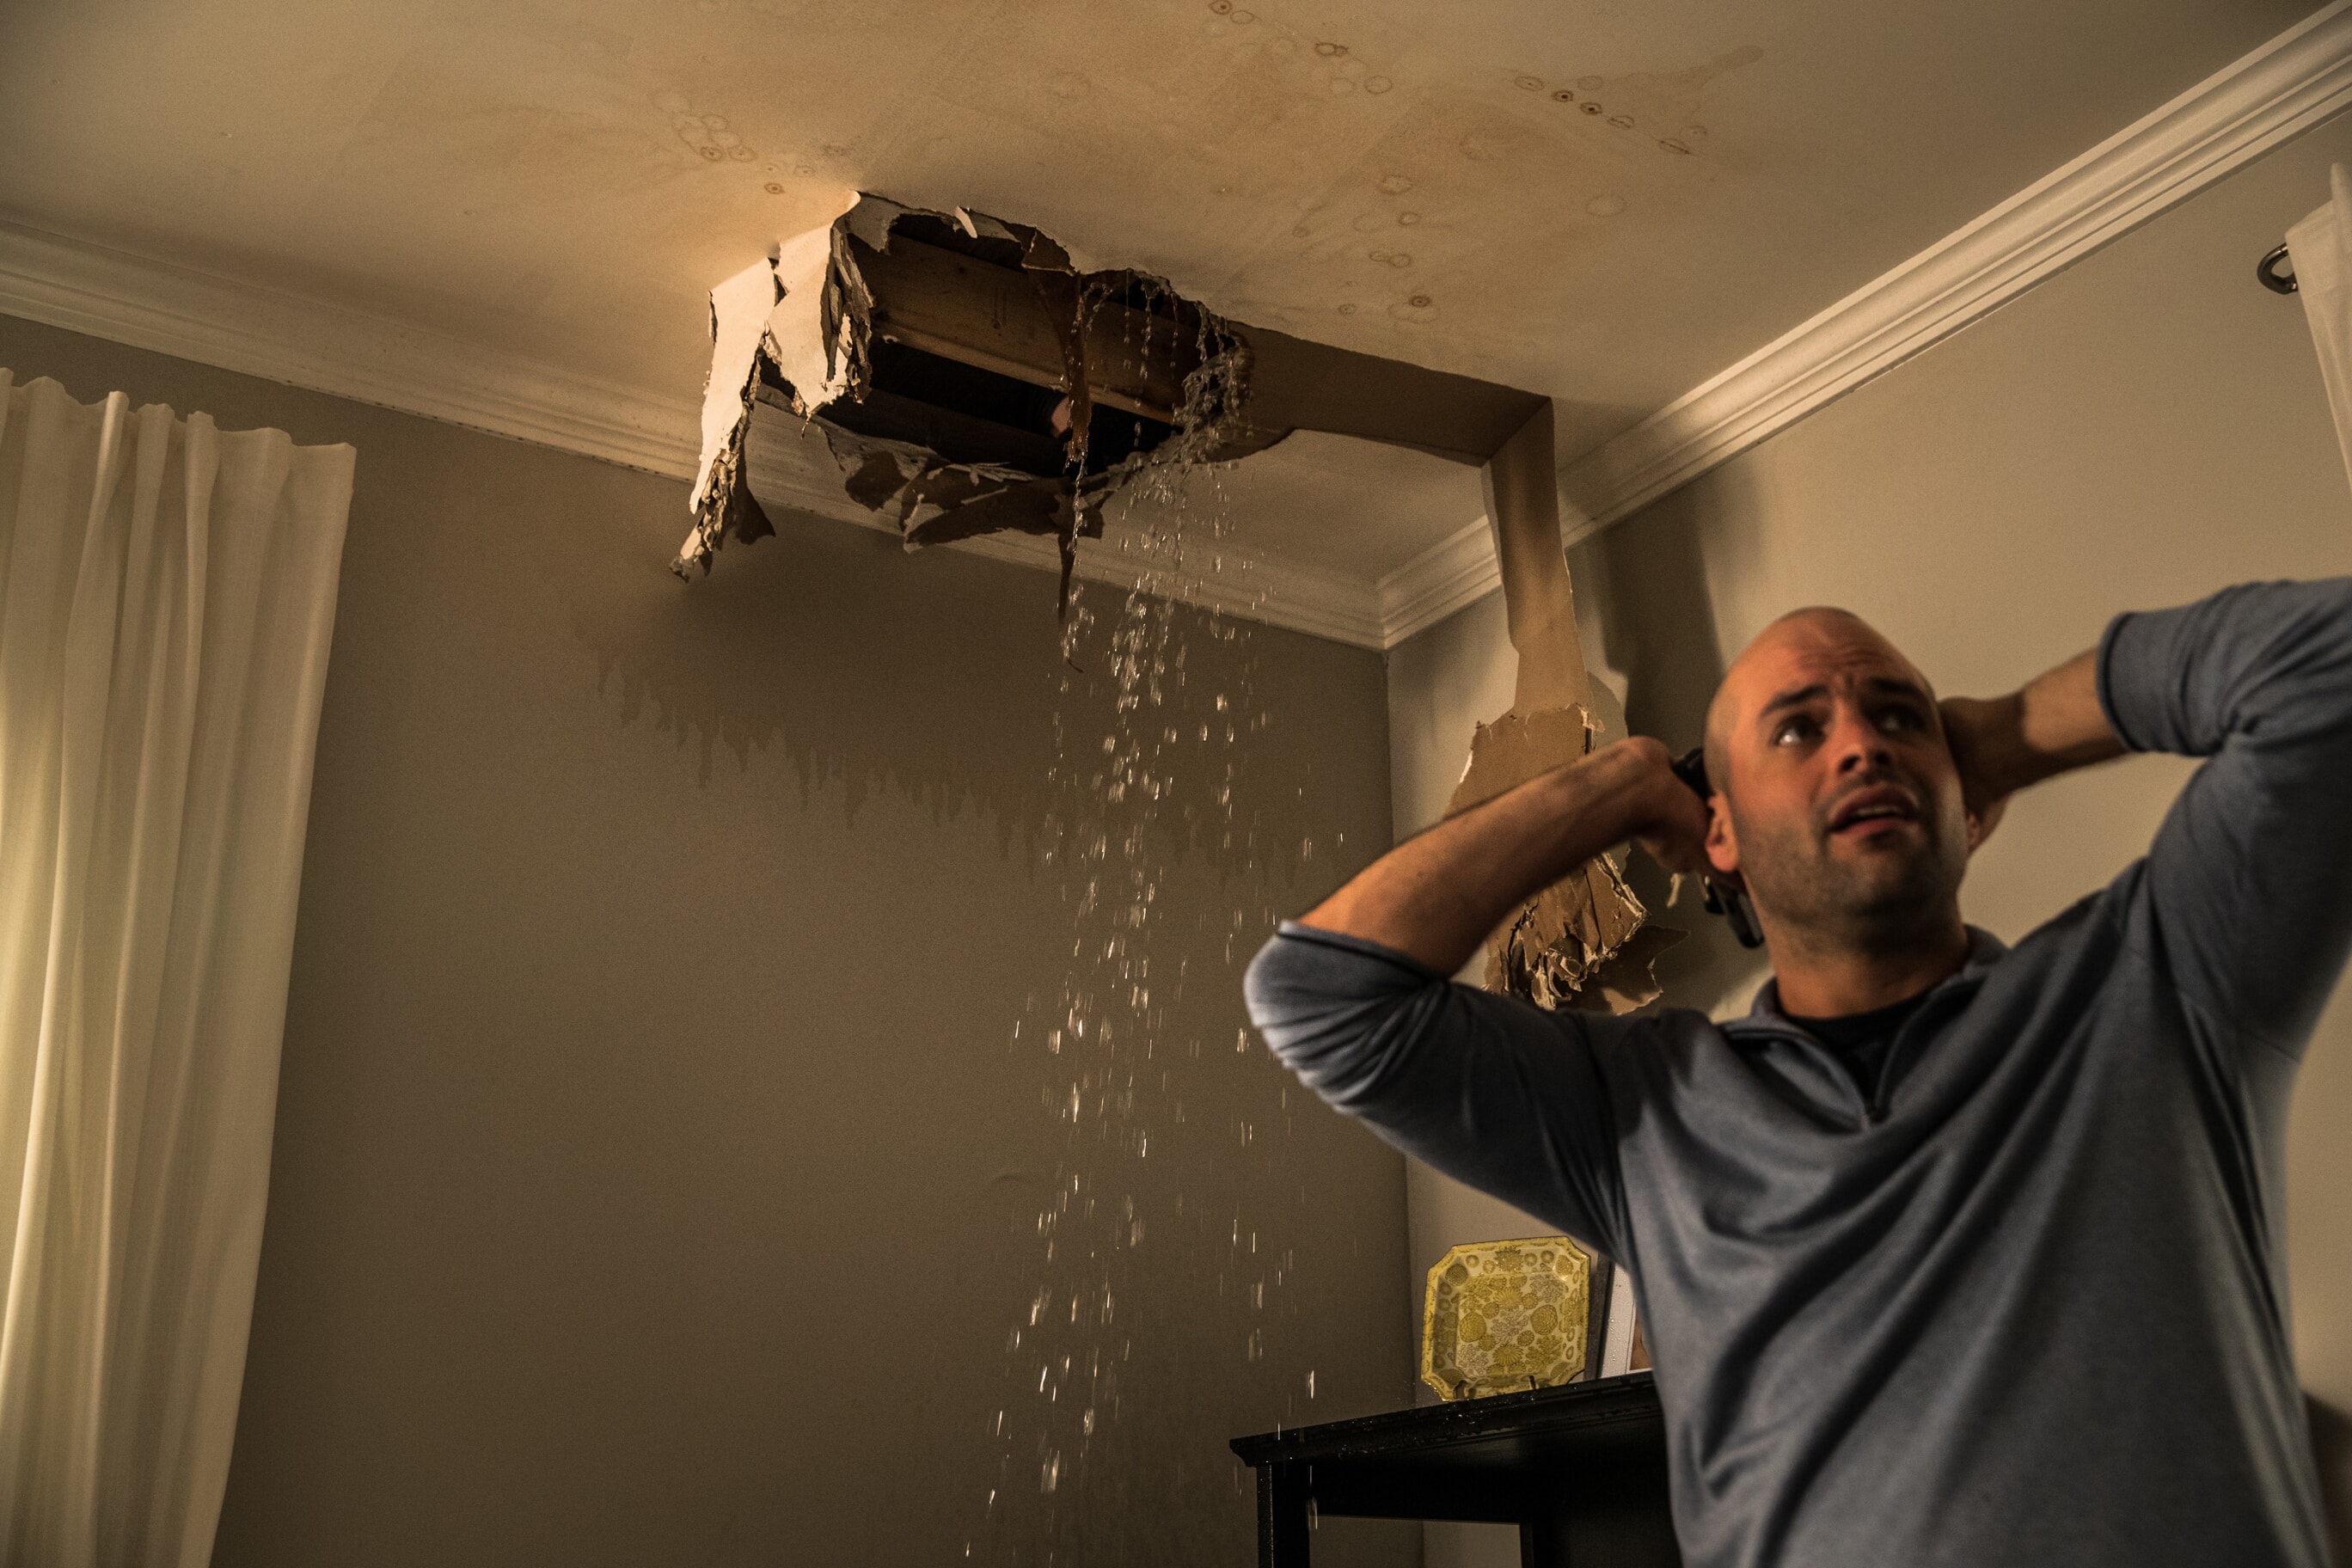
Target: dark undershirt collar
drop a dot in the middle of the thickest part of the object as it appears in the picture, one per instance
(1861, 1040)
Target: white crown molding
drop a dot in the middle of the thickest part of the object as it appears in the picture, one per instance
(1459, 570)
(2286, 86)
(2289, 85)
(284, 337)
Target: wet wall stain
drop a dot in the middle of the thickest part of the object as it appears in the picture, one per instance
(870, 669)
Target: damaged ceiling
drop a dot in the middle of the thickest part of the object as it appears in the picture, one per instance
(1600, 203)
(953, 375)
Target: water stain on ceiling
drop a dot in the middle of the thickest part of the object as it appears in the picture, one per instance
(1600, 203)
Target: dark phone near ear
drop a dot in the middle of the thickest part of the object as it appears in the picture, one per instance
(1728, 902)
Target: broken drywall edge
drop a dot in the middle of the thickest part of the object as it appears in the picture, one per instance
(739, 309)
(749, 327)
(806, 340)
(2320, 244)
(1539, 600)
(1582, 942)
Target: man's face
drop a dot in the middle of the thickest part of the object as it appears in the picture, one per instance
(1840, 808)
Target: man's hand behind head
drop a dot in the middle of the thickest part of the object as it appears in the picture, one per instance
(1676, 818)
(2002, 745)
(1979, 730)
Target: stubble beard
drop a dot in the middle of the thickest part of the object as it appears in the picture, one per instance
(1886, 899)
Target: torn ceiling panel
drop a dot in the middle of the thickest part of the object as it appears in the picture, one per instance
(1581, 943)
(965, 378)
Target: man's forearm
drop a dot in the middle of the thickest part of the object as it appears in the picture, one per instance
(2060, 725)
(1437, 896)
(2052, 725)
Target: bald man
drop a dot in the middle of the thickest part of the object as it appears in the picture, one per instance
(1948, 1252)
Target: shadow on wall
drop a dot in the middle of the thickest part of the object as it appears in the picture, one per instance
(1646, 582)
(2331, 1447)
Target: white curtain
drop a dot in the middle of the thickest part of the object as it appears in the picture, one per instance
(2321, 249)
(166, 594)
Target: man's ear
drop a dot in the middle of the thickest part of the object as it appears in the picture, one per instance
(1722, 841)
(1982, 823)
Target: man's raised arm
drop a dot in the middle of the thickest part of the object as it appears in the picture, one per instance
(1488, 1088)
(1435, 898)
(2250, 879)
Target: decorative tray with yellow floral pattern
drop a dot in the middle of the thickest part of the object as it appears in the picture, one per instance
(1503, 1317)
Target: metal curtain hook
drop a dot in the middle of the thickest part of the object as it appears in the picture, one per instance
(2266, 272)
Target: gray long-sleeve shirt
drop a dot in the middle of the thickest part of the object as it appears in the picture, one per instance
(2026, 1305)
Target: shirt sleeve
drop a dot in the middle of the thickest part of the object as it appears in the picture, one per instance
(2250, 878)
(1492, 1090)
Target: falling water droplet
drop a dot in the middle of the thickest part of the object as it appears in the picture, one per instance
(1136, 757)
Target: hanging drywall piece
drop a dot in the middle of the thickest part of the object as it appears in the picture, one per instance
(754, 337)
(1580, 942)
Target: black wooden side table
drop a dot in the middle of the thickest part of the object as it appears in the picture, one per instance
(1580, 1469)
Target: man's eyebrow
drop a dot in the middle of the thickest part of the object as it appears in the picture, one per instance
(1796, 697)
(1876, 685)
(1895, 686)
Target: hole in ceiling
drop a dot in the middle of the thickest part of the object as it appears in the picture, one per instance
(969, 412)
(967, 415)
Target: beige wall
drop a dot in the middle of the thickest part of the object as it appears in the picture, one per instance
(657, 1175)
(2140, 430)
(1440, 682)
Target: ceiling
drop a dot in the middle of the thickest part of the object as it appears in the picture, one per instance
(1604, 201)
